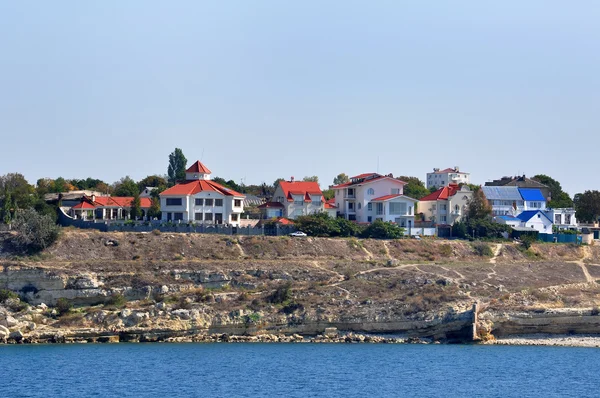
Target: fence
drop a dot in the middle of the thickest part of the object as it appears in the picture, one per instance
(559, 238)
(148, 226)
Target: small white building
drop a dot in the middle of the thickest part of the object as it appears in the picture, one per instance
(200, 200)
(370, 196)
(537, 220)
(440, 178)
(563, 218)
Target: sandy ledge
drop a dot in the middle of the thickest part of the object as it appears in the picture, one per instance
(559, 340)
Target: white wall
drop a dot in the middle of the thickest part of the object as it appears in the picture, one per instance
(540, 224)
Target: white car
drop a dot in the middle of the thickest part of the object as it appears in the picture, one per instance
(298, 234)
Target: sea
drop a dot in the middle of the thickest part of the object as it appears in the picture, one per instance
(297, 370)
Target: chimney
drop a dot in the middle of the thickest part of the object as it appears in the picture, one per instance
(292, 179)
(93, 198)
(456, 169)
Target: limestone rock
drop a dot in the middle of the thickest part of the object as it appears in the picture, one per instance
(182, 314)
(4, 332)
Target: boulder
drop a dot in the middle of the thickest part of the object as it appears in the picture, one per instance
(16, 336)
(8, 322)
(4, 332)
(181, 314)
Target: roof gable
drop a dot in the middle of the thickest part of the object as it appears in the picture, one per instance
(529, 214)
(442, 194)
(198, 167)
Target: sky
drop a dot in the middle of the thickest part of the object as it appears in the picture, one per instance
(258, 90)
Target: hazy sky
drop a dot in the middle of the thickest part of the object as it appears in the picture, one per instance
(267, 89)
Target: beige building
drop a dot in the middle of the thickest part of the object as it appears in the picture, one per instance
(447, 205)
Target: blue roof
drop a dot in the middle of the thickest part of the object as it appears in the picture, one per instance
(529, 214)
(532, 194)
(509, 218)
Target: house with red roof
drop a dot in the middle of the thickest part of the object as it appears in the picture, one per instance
(107, 207)
(372, 196)
(441, 178)
(296, 198)
(200, 200)
(445, 206)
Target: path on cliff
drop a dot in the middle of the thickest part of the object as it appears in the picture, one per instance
(587, 253)
(497, 251)
(338, 278)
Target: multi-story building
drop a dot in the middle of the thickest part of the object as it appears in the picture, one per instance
(445, 206)
(440, 178)
(200, 200)
(296, 198)
(521, 182)
(563, 218)
(370, 196)
(511, 200)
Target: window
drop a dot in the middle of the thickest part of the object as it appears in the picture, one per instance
(434, 207)
(234, 217)
(567, 219)
(350, 192)
(443, 218)
(178, 216)
(359, 205)
(350, 205)
(442, 207)
(397, 208)
(208, 202)
(370, 191)
(199, 202)
(237, 203)
(369, 219)
(218, 202)
(557, 219)
(208, 217)
(395, 191)
(198, 216)
(298, 202)
(369, 206)
(379, 208)
(173, 201)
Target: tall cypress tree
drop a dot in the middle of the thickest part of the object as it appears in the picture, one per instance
(177, 166)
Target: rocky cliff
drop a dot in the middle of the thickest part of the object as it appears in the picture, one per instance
(93, 286)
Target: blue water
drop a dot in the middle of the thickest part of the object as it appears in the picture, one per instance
(297, 370)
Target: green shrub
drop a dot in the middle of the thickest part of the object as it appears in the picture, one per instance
(482, 249)
(446, 250)
(282, 294)
(382, 230)
(63, 306)
(117, 300)
(156, 232)
(35, 232)
(526, 241)
(7, 294)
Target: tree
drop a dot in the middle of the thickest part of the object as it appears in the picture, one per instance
(478, 207)
(228, 184)
(559, 197)
(329, 194)
(35, 232)
(276, 182)
(153, 181)
(126, 187)
(311, 179)
(7, 209)
(341, 178)
(587, 206)
(19, 189)
(414, 188)
(177, 166)
(135, 211)
(154, 211)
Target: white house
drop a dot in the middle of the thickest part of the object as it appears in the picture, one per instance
(370, 196)
(533, 199)
(508, 220)
(200, 200)
(295, 198)
(537, 220)
(445, 206)
(563, 218)
(440, 178)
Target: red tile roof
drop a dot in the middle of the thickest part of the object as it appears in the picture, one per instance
(84, 205)
(270, 205)
(193, 187)
(329, 206)
(394, 196)
(120, 201)
(448, 170)
(198, 167)
(442, 194)
(305, 188)
(284, 221)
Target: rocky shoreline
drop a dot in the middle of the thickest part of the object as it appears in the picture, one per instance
(589, 341)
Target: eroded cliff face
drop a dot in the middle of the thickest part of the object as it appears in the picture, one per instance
(146, 287)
